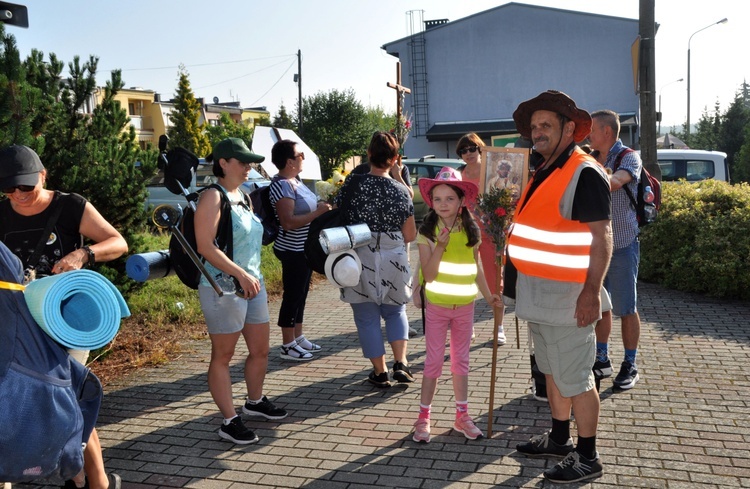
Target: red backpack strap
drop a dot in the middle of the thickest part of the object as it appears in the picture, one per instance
(619, 158)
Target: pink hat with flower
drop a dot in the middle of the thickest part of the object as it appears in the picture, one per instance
(448, 176)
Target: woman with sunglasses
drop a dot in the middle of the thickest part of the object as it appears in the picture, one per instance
(25, 216)
(469, 149)
(296, 206)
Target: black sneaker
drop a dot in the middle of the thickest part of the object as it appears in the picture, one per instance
(574, 468)
(602, 370)
(236, 432)
(379, 380)
(264, 408)
(543, 446)
(401, 373)
(115, 482)
(627, 377)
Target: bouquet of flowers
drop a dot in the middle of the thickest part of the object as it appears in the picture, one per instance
(327, 190)
(403, 126)
(496, 213)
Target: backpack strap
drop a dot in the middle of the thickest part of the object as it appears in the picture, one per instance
(618, 161)
(225, 222)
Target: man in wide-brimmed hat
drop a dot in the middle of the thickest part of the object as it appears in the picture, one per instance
(561, 243)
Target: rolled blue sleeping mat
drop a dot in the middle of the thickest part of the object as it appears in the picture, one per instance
(148, 266)
(79, 309)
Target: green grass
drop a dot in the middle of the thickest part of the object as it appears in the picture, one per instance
(164, 315)
(167, 300)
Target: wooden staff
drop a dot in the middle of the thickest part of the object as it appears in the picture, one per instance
(497, 313)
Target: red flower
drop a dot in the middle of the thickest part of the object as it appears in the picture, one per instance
(500, 212)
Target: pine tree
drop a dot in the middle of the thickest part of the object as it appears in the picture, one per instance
(282, 120)
(186, 132)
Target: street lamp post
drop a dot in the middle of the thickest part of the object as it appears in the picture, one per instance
(722, 21)
(661, 116)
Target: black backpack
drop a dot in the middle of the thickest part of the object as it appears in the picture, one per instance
(48, 401)
(314, 254)
(645, 212)
(178, 257)
(261, 199)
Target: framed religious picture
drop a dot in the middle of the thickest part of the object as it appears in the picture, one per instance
(504, 168)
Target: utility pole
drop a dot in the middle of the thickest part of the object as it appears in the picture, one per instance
(299, 88)
(647, 86)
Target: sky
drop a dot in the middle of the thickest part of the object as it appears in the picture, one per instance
(246, 50)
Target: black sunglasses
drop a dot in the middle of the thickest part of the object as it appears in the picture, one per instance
(468, 149)
(22, 188)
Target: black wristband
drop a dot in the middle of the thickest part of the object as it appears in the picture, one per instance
(92, 256)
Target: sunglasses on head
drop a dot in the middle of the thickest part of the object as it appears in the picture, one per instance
(22, 188)
(468, 149)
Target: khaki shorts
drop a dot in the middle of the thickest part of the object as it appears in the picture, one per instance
(567, 353)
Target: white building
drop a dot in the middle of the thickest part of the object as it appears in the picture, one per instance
(470, 75)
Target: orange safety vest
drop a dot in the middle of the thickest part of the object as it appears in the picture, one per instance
(542, 242)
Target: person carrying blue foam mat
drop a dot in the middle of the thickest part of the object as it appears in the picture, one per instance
(47, 230)
(48, 402)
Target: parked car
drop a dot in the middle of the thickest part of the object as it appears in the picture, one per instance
(159, 194)
(692, 165)
(427, 166)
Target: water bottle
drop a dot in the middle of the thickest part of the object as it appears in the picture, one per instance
(648, 195)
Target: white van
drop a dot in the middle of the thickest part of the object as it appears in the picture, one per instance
(692, 165)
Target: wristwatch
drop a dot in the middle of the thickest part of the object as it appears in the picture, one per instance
(92, 256)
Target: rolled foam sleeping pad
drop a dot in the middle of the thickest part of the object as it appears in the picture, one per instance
(79, 309)
(149, 266)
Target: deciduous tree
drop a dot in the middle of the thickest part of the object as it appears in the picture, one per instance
(335, 127)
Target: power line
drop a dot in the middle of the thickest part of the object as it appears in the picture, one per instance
(241, 76)
(207, 64)
(277, 82)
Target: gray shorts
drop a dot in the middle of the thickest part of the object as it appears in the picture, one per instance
(229, 313)
(567, 353)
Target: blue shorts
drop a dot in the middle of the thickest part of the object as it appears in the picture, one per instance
(230, 313)
(622, 279)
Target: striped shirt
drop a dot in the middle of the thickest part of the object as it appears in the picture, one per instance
(305, 202)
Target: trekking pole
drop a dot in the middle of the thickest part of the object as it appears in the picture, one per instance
(166, 216)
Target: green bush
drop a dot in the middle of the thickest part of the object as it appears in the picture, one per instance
(701, 240)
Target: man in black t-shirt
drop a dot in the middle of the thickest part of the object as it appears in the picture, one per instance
(561, 243)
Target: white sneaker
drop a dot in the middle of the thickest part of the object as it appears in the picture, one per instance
(501, 340)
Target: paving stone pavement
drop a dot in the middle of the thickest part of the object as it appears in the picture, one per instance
(686, 424)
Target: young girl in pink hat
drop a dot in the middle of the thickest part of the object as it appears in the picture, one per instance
(448, 243)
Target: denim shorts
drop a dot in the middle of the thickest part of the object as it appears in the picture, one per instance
(230, 313)
(622, 279)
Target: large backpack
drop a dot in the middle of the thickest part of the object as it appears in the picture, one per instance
(645, 212)
(263, 208)
(48, 401)
(314, 254)
(178, 257)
